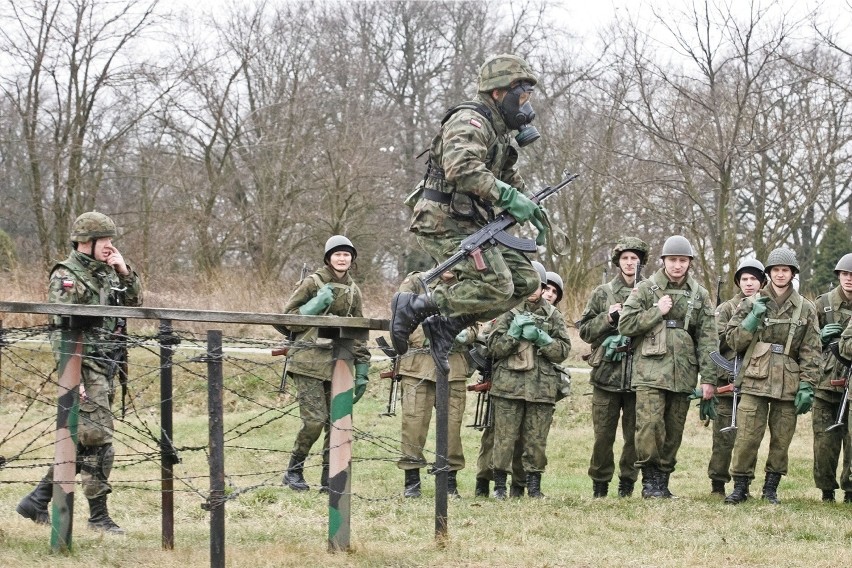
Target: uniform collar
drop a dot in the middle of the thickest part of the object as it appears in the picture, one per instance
(497, 122)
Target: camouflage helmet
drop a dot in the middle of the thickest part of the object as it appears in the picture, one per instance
(500, 71)
(677, 245)
(542, 271)
(782, 257)
(753, 267)
(556, 281)
(336, 243)
(92, 225)
(844, 264)
(638, 246)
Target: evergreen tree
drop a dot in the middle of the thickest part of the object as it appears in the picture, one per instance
(836, 242)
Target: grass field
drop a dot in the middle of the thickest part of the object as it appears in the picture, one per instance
(270, 525)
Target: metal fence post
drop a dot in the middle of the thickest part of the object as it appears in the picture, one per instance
(216, 444)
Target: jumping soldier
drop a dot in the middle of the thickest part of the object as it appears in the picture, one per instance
(471, 173)
(749, 277)
(95, 273)
(776, 331)
(670, 322)
(612, 397)
(834, 311)
(328, 291)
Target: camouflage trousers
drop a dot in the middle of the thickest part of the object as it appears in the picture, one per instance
(828, 445)
(418, 400)
(516, 421)
(723, 442)
(660, 418)
(753, 415)
(507, 281)
(314, 397)
(486, 453)
(608, 407)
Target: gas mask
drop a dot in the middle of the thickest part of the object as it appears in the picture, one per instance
(519, 116)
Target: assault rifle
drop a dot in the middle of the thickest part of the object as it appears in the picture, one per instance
(493, 234)
(842, 381)
(392, 374)
(483, 416)
(733, 368)
(291, 337)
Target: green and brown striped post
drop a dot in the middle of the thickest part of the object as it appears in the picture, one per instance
(65, 455)
(340, 446)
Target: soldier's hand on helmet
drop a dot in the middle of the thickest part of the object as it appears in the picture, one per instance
(804, 397)
(665, 304)
(362, 377)
(829, 332)
(758, 308)
(318, 303)
(115, 260)
(537, 336)
(518, 324)
(614, 314)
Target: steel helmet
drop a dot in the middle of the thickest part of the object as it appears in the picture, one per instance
(844, 264)
(556, 281)
(677, 245)
(336, 243)
(500, 71)
(782, 257)
(92, 225)
(638, 246)
(542, 272)
(753, 267)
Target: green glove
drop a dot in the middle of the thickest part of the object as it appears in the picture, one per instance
(696, 394)
(610, 344)
(707, 409)
(463, 337)
(541, 237)
(829, 332)
(521, 207)
(318, 303)
(758, 308)
(537, 336)
(361, 379)
(518, 324)
(804, 397)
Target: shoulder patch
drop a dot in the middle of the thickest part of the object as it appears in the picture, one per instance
(67, 282)
(475, 123)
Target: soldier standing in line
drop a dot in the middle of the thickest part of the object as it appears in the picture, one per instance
(834, 311)
(328, 291)
(418, 398)
(471, 175)
(525, 344)
(672, 329)
(612, 397)
(776, 330)
(749, 277)
(95, 273)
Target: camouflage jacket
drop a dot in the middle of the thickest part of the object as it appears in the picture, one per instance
(80, 279)
(594, 327)
(832, 307)
(671, 350)
(767, 370)
(312, 356)
(417, 363)
(724, 311)
(522, 370)
(465, 159)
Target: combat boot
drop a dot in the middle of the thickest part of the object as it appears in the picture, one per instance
(324, 479)
(600, 489)
(847, 496)
(99, 519)
(34, 505)
(717, 487)
(740, 492)
(828, 495)
(294, 478)
(663, 483)
(452, 485)
(650, 483)
(408, 310)
(770, 487)
(441, 332)
(516, 490)
(500, 485)
(625, 486)
(482, 487)
(534, 485)
(412, 484)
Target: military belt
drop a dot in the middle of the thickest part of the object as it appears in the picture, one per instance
(676, 324)
(776, 348)
(439, 196)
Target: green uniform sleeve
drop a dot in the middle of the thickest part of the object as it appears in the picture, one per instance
(810, 351)
(736, 336)
(594, 324)
(558, 350)
(305, 290)
(706, 341)
(500, 345)
(133, 293)
(639, 314)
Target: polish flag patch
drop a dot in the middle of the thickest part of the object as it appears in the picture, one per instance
(67, 283)
(475, 123)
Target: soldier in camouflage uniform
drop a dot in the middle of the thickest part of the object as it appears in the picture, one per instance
(525, 344)
(670, 322)
(328, 291)
(834, 311)
(418, 398)
(776, 331)
(471, 175)
(95, 273)
(612, 397)
(749, 277)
